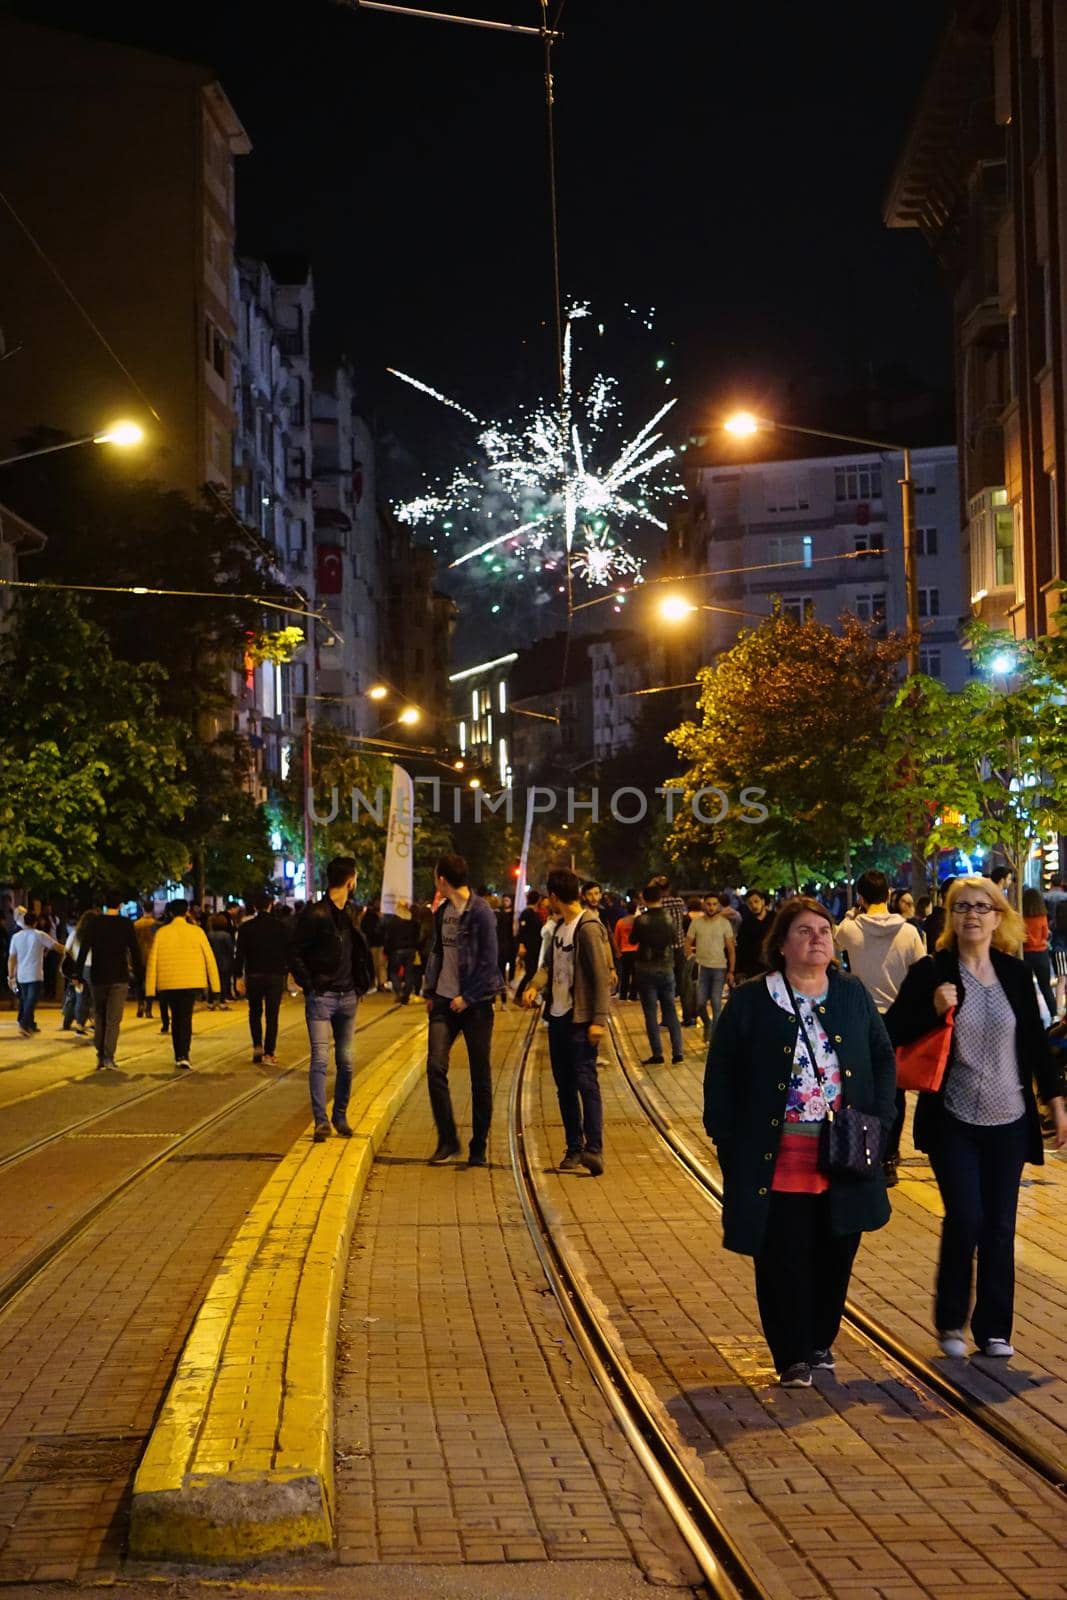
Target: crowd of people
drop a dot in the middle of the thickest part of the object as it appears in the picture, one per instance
(806, 1006)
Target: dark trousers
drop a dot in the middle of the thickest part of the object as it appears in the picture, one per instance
(978, 1171)
(627, 979)
(402, 981)
(108, 1001)
(892, 1146)
(264, 992)
(573, 1061)
(476, 1026)
(529, 960)
(164, 1012)
(180, 1004)
(802, 1275)
(683, 988)
(1040, 964)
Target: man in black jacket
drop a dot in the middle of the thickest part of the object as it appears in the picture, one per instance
(331, 961)
(262, 961)
(112, 944)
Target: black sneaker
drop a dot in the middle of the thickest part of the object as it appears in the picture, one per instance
(164, 1027)
(652, 1061)
(444, 1152)
(592, 1161)
(477, 1158)
(341, 1126)
(822, 1361)
(322, 1132)
(889, 1167)
(572, 1162)
(797, 1376)
(257, 1055)
(677, 1061)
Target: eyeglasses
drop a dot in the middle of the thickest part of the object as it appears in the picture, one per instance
(961, 908)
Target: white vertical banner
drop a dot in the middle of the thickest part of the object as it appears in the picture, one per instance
(399, 843)
(520, 882)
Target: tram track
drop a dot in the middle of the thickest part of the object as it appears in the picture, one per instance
(865, 1327)
(721, 1559)
(18, 1281)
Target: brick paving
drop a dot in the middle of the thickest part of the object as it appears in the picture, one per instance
(87, 1351)
(895, 1270)
(467, 1427)
(862, 1486)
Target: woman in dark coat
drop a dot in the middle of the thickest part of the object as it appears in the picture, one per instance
(765, 1101)
(983, 1125)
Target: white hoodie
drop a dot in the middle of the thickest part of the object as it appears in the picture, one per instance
(880, 947)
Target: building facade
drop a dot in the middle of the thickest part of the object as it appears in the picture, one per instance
(983, 175)
(18, 539)
(822, 536)
(150, 258)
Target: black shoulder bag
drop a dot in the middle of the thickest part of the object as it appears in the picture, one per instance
(850, 1141)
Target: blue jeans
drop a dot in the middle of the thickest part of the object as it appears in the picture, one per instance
(710, 983)
(330, 1013)
(77, 1005)
(29, 994)
(978, 1171)
(653, 986)
(577, 1087)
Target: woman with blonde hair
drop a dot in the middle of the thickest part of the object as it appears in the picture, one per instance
(982, 1125)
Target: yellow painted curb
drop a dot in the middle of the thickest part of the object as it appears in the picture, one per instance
(240, 1462)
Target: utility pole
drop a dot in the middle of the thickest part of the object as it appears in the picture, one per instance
(911, 571)
(309, 824)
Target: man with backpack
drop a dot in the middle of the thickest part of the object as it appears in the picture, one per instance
(577, 979)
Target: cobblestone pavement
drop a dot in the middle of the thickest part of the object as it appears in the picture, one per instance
(895, 1269)
(88, 1347)
(862, 1486)
(468, 1429)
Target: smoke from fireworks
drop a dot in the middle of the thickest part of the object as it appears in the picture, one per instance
(560, 484)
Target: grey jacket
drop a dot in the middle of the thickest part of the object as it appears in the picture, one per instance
(592, 971)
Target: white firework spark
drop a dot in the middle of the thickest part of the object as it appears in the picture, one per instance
(540, 481)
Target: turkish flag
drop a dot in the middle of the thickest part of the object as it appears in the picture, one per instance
(329, 572)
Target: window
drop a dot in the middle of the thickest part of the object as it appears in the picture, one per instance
(929, 602)
(789, 547)
(857, 483)
(1046, 283)
(869, 544)
(930, 662)
(926, 542)
(798, 607)
(788, 494)
(1013, 355)
(870, 607)
(420, 659)
(1053, 524)
(1004, 547)
(923, 480)
(214, 347)
(299, 677)
(296, 403)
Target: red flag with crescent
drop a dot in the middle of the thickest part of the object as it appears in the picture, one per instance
(329, 572)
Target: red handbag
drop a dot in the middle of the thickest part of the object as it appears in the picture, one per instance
(921, 1064)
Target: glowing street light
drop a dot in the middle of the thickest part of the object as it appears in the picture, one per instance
(1002, 664)
(475, 783)
(458, 766)
(409, 716)
(675, 608)
(379, 692)
(742, 424)
(122, 434)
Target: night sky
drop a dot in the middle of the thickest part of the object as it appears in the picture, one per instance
(726, 164)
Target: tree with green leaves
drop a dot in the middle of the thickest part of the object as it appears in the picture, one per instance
(87, 730)
(792, 711)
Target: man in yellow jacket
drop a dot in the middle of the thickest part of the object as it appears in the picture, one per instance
(180, 966)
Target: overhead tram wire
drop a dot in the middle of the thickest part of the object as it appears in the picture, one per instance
(718, 572)
(142, 590)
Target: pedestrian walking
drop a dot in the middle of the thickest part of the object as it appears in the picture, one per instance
(710, 941)
(531, 924)
(221, 939)
(25, 970)
(462, 982)
(982, 1125)
(881, 946)
(261, 963)
(655, 934)
(331, 961)
(626, 955)
(110, 947)
(181, 965)
(675, 908)
(400, 941)
(790, 1050)
(505, 943)
(372, 929)
(146, 927)
(78, 992)
(1035, 945)
(756, 918)
(577, 983)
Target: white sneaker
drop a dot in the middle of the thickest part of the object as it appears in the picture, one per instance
(953, 1343)
(183, 1063)
(998, 1347)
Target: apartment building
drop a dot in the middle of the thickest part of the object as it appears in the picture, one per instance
(983, 175)
(823, 535)
(149, 258)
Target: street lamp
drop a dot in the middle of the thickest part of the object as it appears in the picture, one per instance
(409, 716)
(675, 608)
(122, 434)
(379, 692)
(743, 425)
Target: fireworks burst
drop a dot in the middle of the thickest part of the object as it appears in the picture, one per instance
(562, 481)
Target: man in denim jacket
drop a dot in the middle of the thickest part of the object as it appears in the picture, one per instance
(462, 981)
